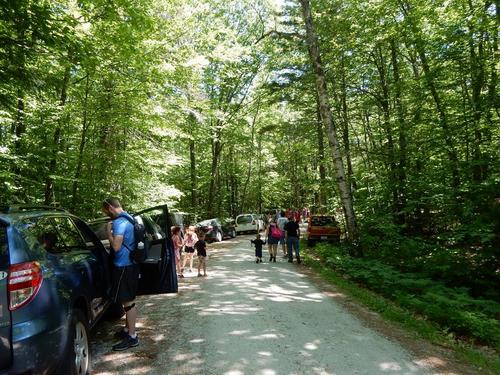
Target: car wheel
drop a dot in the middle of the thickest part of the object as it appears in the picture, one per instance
(218, 237)
(77, 358)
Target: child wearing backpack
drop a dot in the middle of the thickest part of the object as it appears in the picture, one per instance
(273, 238)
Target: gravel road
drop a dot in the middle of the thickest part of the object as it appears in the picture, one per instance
(248, 318)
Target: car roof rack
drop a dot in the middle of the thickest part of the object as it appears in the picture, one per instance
(30, 207)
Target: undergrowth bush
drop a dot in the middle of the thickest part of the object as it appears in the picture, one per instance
(453, 308)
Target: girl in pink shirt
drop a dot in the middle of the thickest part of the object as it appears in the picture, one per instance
(189, 240)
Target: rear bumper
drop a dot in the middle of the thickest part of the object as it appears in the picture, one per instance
(36, 347)
(323, 237)
(245, 228)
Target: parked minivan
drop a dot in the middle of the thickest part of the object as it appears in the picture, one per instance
(250, 223)
(54, 284)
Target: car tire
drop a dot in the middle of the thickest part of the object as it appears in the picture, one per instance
(218, 237)
(77, 355)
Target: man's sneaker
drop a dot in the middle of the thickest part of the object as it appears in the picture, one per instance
(298, 260)
(121, 334)
(128, 342)
(290, 260)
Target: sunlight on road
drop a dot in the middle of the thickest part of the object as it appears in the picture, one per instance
(248, 318)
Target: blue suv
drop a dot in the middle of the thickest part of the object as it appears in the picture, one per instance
(54, 284)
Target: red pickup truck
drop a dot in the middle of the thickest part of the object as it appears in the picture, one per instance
(322, 228)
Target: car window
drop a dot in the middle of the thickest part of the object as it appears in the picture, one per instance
(99, 228)
(91, 241)
(69, 234)
(247, 219)
(41, 232)
(4, 255)
(323, 221)
(152, 229)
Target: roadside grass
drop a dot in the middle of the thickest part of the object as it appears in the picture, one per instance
(485, 360)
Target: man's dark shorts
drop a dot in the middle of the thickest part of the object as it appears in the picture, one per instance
(124, 283)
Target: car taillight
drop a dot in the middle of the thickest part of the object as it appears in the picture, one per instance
(24, 281)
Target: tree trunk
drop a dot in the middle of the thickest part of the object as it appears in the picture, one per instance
(345, 127)
(321, 159)
(216, 152)
(440, 107)
(401, 169)
(83, 140)
(250, 159)
(192, 165)
(49, 181)
(379, 61)
(326, 115)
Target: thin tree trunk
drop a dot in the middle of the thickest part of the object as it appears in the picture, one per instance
(401, 169)
(250, 159)
(259, 196)
(83, 140)
(321, 158)
(440, 107)
(192, 166)
(216, 152)
(345, 127)
(384, 100)
(49, 181)
(326, 115)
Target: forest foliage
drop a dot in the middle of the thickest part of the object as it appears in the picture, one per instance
(211, 106)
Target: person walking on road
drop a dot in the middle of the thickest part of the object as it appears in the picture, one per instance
(177, 241)
(292, 230)
(258, 243)
(273, 239)
(189, 242)
(201, 251)
(282, 220)
(125, 273)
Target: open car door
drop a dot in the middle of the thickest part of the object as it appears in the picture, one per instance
(157, 273)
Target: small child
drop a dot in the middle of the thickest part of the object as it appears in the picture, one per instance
(201, 249)
(258, 248)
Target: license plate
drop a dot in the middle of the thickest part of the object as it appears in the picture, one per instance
(324, 237)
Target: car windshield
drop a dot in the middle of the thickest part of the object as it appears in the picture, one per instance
(247, 219)
(205, 223)
(323, 221)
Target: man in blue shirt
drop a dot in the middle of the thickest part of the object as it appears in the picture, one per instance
(125, 273)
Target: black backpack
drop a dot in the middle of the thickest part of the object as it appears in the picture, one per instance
(139, 253)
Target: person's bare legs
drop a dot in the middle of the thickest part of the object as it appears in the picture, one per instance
(204, 266)
(188, 256)
(275, 250)
(191, 262)
(130, 317)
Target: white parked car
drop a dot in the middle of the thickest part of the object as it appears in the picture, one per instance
(249, 223)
